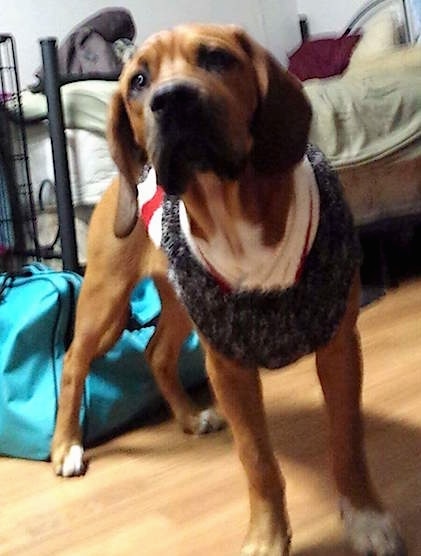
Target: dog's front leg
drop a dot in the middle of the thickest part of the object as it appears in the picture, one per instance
(100, 317)
(239, 393)
(339, 364)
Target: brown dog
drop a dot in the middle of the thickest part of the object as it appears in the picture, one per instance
(225, 128)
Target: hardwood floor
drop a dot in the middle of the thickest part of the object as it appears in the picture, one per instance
(155, 491)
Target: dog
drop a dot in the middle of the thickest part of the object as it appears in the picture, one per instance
(257, 243)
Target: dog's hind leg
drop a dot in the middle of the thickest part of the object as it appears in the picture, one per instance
(162, 353)
(339, 365)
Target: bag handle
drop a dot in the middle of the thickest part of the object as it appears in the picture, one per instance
(6, 283)
(9, 277)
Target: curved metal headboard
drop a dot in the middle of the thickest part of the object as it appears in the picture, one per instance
(370, 7)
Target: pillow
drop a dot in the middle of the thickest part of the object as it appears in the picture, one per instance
(324, 57)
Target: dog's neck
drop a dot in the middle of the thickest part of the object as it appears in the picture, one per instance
(252, 233)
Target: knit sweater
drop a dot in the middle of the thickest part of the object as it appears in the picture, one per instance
(272, 328)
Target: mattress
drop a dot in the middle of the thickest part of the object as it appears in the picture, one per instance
(383, 190)
(90, 165)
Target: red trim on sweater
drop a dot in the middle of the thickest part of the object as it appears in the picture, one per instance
(151, 206)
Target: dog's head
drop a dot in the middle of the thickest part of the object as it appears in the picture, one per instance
(203, 98)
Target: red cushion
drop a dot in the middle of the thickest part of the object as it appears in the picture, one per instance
(322, 57)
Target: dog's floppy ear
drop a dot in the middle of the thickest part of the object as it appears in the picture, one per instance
(282, 120)
(129, 158)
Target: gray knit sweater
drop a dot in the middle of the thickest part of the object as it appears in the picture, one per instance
(272, 328)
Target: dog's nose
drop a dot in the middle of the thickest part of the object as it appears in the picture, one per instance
(174, 96)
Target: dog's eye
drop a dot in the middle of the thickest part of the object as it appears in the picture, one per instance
(215, 59)
(139, 81)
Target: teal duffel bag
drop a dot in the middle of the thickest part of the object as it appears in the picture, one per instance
(36, 318)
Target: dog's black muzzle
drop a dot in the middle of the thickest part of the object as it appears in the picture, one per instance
(190, 136)
(175, 99)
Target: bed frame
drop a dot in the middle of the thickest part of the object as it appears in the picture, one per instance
(370, 8)
(365, 13)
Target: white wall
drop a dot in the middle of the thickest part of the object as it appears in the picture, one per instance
(326, 16)
(272, 22)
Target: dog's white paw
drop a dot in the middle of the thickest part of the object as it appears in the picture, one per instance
(265, 550)
(208, 421)
(370, 532)
(269, 533)
(203, 422)
(276, 545)
(73, 463)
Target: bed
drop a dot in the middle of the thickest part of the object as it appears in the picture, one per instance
(368, 122)
(367, 117)
(378, 158)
